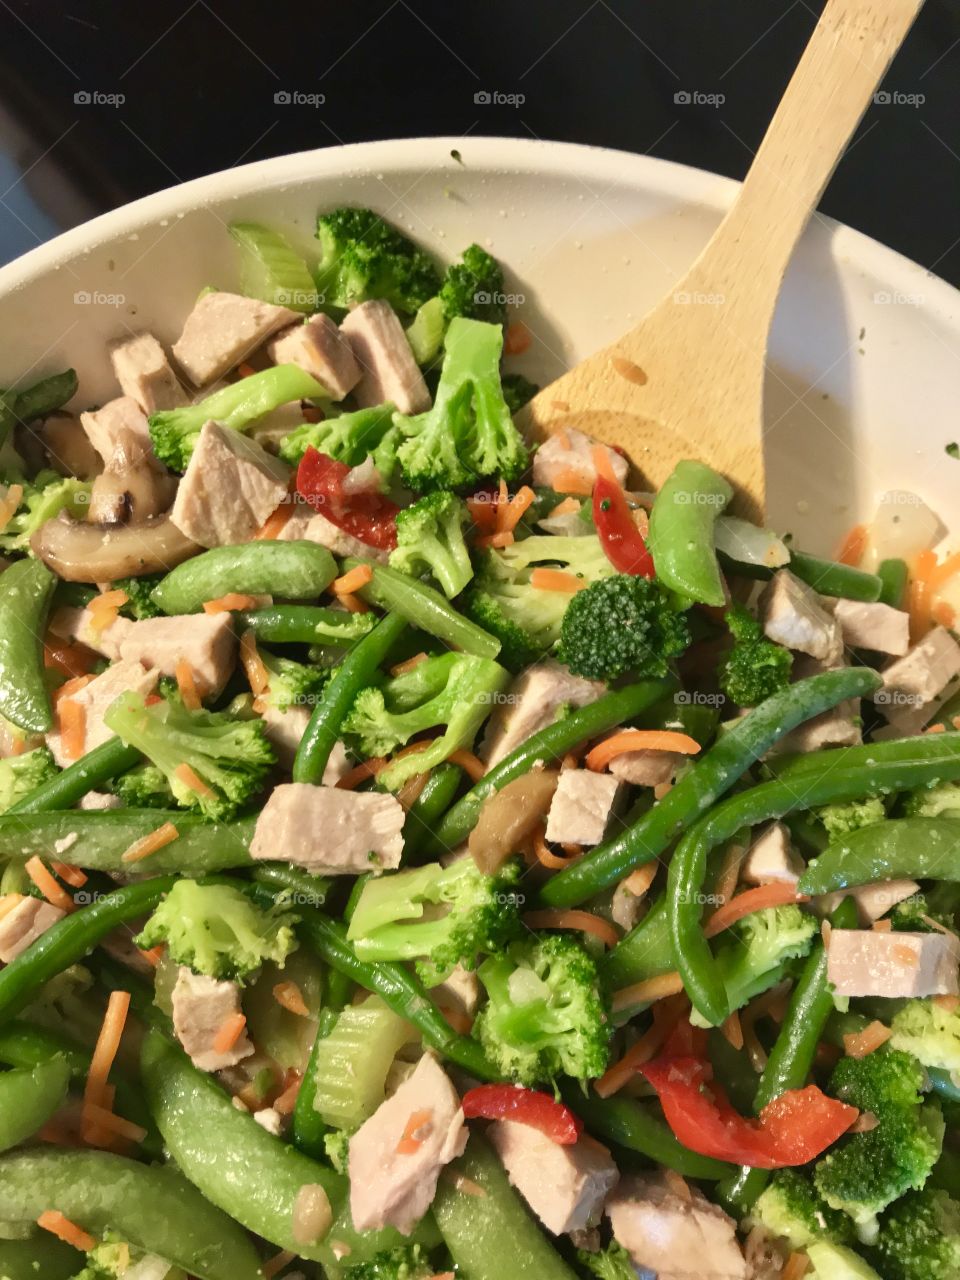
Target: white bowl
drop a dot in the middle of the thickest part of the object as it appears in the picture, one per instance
(864, 374)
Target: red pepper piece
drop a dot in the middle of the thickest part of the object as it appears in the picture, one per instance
(526, 1106)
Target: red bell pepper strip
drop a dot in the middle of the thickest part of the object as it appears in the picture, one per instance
(525, 1106)
(370, 517)
(620, 538)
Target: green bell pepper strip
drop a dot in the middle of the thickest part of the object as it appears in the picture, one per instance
(42, 1257)
(29, 1096)
(151, 1207)
(550, 743)
(25, 592)
(893, 575)
(431, 804)
(102, 838)
(358, 669)
(899, 849)
(645, 952)
(288, 570)
(394, 984)
(70, 939)
(305, 624)
(716, 771)
(492, 1235)
(826, 576)
(681, 532)
(424, 608)
(90, 772)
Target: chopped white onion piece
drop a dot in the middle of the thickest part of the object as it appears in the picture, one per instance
(743, 541)
(903, 527)
(568, 525)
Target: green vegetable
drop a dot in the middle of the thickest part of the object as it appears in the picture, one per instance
(292, 684)
(681, 532)
(426, 330)
(350, 439)
(901, 848)
(517, 391)
(642, 953)
(621, 624)
(919, 1238)
(792, 1208)
(230, 757)
(405, 1262)
(90, 772)
(21, 775)
(271, 270)
(43, 499)
(755, 668)
(43, 398)
(175, 431)
(841, 819)
(827, 577)
(612, 1263)
(893, 575)
(430, 540)
(932, 802)
(351, 1063)
(928, 1031)
(145, 787)
(287, 570)
(29, 1096)
(40, 1258)
(218, 931)
(26, 588)
(837, 1262)
(455, 691)
(426, 811)
(139, 591)
(364, 257)
(474, 288)
(425, 608)
(636, 1126)
(307, 624)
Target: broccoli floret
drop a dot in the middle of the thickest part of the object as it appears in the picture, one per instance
(932, 802)
(336, 1143)
(19, 775)
(620, 624)
(469, 432)
(837, 1262)
(351, 439)
(43, 499)
(474, 288)
(791, 1207)
(527, 620)
(145, 787)
(841, 819)
(517, 391)
(755, 668)
(919, 1238)
(930, 1032)
(229, 758)
(455, 690)
(140, 603)
(868, 1171)
(754, 953)
(216, 930)
(919, 913)
(404, 1262)
(430, 539)
(545, 1015)
(292, 684)
(363, 257)
(612, 1263)
(393, 919)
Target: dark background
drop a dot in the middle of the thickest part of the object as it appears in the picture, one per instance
(199, 84)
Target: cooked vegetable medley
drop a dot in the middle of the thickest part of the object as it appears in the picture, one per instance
(426, 854)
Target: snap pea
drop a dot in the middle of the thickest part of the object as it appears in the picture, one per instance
(425, 608)
(681, 532)
(91, 771)
(826, 576)
(635, 1126)
(726, 761)
(151, 1207)
(288, 570)
(103, 836)
(25, 592)
(480, 1230)
(885, 756)
(40, 1258)
(549, 744)
(306, 624)
(428, 808)
(901, 848)
(28, 1098)
(893, 576)
(358, 669)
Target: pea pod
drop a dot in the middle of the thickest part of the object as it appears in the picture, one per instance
(826, 576)
(288, 570)
(151, 1207)
(29, 1096)
(682, 530)
(25, 592)
(91, 771)
(902, 848)
(886, 756)
(717, 770)
(306, 624)
(40, 1258)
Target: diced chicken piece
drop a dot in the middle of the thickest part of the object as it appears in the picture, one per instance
(912, 683)
(626, 907)
(873, 900)
(459, 993)
(388, 370)
(320, 349)
(204, 640)
(840, 726)
(24, 924)
(771, 859)
(269, 1118)
(284, 729)
(565, 1186)
(80, 624)
(330, 831)
(568, 453)
(674, 1236)
(793, 616)
(396, 1156)
(229, 488)
(314, 527)
(862, 962)
(99, 800)
(201, 1006)
(96, 697)
(646, 768)
(581, 807)
(878, 627)
(106, 427)
(223, 329)
(531, 703)
(338, 765)
(145, 375)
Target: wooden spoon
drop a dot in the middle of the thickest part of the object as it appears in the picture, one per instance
(687, 381)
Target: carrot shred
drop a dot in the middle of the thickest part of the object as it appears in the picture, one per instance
(949, 1004)
(510, 513)
(570, 480)
(70, 687)
(97, 1091)
(853, 546)
(746, 903)
(148, 844)
(471, 765)
(257, 675)
(289, 996)
(245, 370)
(401, 668)
(628, 740)
(9, 503)
(602, 464)
(154, 955)
(638, 882)
(796, 1267)
(565, 508)
(47, 885)
(9, 902)
(545, 856)
(68, 872)
(516, 339)
(190, 778)
(483, 512)
(285, 1102)
(861, 1043)
(556, 580)
(229, 1033)
(919, 595)
(52, 1220)
(73, 727)
(647, 991)
(274, 524)
(729, 875)
(944, 571)
(112, 1123)
(352, 603)
(584, 921)
(361, 772)
(231, 601)
(499, 540)
(561, 433)
(732, 1031)
(187, 685)
(409, 1142)
(108, 600)
(276, 1263)
(625, 1068)
(351, 582)
(944, 613)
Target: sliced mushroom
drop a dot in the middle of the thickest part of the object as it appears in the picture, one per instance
(134, 486)
(67, 448)
(509, 816)
(81, 551)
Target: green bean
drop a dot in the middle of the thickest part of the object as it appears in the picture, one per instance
(726, 761)
(306, 624)
(635, 1126)
(826, 576)
(25, 592)
(45, 396)
(358, 669)
(893, 576)
(29, 1096)
(796, 769)
(41, 1258)
(152, 1208)
(426, 811)
(549, 744)
(288, 570)
(733, 1071)
(644, 953)
(97, 839)
(70, 939)
(90, 772)
(681, 532)
(425, 608)
(898, 849)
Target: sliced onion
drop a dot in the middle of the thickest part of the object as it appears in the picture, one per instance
(743, 541)
(903, 527)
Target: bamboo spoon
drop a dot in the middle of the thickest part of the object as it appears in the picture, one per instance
(687, 381)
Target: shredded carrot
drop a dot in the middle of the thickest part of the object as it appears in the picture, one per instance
(919, 595)
(245, 370)
(108, 1043)
(628, 740)
(625, 1068)
(9, 503)
(231, 601)
(483, 512)
(935, 728)
(600, 457)
(58, 1134)
(556, 580)
(274, 524)
(853, 546)
(498, 540)
(353, 604)
(860, 1043)
(638, 882)
(70, 687)
(361, 772)
(229, 1033)
(949, 1004)
(732, 1031)
(473, 767)
(629, 370)
(565, 508)
(746, 903)
(276, 1263)
(285, 1102)
(796, 1267)
(289, 996)
(71, 659)
(47, 884)
(677, 1184)
(192, 780)
(751, 1042)
(570, 480)
(882, 926)
(351, 582)
(108, 600)
(545, 856)
(409, 1143)
(410, 792)
(257, 675)
(944, 571)
(187, 684)
(401, 668)
(944, 614)
(647, 991)
(460, 1182)
(73, 727)
(516, 339)
(109, 1121)
(154, 955)
(510, 513)
(71, 874)
(52, 1220)
(148, 844)
(584, 921)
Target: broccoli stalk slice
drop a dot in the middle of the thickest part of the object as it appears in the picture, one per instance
(755, 668)
(351, 439)
(364, 257)
(271, 270)
(425, 333)
(430, 539)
